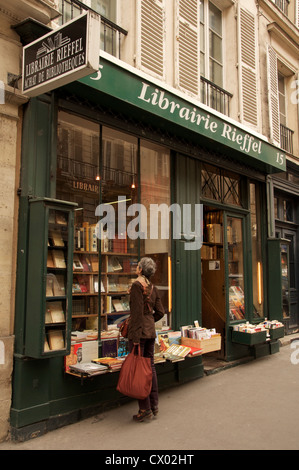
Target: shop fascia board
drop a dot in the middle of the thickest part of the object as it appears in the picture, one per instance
(119, 80)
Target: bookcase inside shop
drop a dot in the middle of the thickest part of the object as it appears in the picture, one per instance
(56, 282)
(103, 271)
(212, 247)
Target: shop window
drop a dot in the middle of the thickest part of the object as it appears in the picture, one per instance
(284, 209)
(78, 181)
(155, 192)
(97, 168)
(257, 264)
(235, 248)
(220, 185)
(287, 211)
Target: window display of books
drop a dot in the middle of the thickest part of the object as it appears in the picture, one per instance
(236, 303)
(102, 269)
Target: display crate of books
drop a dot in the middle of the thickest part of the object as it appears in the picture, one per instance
(274, 328)
(208, 340)
(49, 301)
(206, 344)
(276, 333)
(248, 334)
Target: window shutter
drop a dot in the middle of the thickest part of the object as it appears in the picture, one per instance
(187, 45)
(151, 36)
(248, 67)
(273, 96)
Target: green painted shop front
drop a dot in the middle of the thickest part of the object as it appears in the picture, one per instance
(213, 163)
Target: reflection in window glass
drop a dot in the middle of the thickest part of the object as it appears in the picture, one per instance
(257, 266)
(287, 211)
(235, 269)
(155, 189)
(78, 181)
(276, 208)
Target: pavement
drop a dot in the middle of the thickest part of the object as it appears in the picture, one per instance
(253, 406)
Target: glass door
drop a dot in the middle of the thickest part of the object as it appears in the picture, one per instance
(235, 267)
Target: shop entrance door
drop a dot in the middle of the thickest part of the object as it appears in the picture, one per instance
(235, 268)
(213, 272)
(223, 281)
(291, 309)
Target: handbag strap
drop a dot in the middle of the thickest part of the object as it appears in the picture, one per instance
(147, 296)
(139, 349)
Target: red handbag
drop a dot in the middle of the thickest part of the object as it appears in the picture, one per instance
(124, 328)
(135, 377)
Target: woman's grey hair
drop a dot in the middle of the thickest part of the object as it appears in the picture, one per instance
(148, 267)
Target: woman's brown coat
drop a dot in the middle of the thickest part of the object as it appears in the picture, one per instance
(146, 308)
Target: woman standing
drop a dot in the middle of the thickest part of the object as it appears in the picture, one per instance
(146, 308)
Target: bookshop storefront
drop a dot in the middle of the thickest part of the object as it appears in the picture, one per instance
(116, 146)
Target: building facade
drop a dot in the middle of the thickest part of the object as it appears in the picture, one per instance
(193, 103)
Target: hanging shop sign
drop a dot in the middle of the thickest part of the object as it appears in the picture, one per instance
(131, 86)
(63, 55)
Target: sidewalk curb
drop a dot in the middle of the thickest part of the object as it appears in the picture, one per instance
(288, 339)
(210, 369)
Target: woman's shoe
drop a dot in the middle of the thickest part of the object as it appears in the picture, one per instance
(155, 410)
(143, 415)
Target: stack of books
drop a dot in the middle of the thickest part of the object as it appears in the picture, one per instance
(88, 368)
(113, 363)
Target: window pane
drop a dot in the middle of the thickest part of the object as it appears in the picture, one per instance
(215, 19)
(119, 251)
(287, 211)
(155, 189)
(215, 47)
(257, 271)
(276, 208)
(202, 64)
(78, 181)
(236, 269)
(285, 282)
(282, 104)
(202, 11)
(107, 8)
(220, 185)
(216, 73)
(202, 38)
(281, 84)
(211, 183)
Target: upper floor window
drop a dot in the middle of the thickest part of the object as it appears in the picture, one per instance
(283, 5)
(282, 99)
(111, 33)
(107, 8)
(280, 80)
(211, 57)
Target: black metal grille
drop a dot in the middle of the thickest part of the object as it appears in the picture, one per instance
(220, 185)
